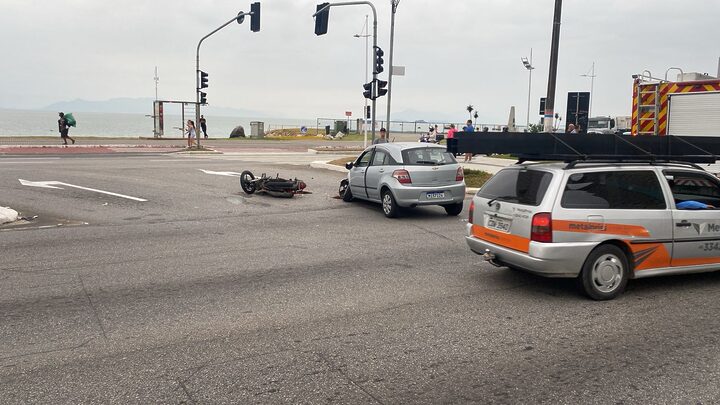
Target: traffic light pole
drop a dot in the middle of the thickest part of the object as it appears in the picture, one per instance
(550, 101)
(357, 3)
(197, 70)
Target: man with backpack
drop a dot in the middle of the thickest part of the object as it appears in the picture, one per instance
(64, 129)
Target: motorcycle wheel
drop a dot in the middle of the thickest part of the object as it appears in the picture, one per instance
(344, 191)
(246, 182)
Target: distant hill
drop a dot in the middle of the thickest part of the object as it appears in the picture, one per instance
(139, 106)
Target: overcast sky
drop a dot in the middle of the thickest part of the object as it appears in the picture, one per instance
(456, 52)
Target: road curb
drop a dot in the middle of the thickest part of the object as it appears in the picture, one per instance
(471, 190)
(8, 215)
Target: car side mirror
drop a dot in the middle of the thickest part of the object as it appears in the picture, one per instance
(349, 165)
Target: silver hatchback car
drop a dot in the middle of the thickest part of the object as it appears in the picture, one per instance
(406, 175)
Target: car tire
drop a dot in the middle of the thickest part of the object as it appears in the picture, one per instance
(389, 205)
(246, 182)
(344, 191)
(605, 273)
(453, 209)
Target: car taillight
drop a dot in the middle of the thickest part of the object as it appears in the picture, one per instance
(471, 212)
(541, 230)
(402, 176)
(460, 174)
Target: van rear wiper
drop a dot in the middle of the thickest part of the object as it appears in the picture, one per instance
(489, 203)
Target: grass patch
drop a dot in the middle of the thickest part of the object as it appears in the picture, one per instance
(476, 178)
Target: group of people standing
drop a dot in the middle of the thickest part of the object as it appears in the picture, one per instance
(191, 131)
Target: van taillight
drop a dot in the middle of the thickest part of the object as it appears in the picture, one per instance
(471, 212)
(460, 175)
(541, 230)
(402, 176)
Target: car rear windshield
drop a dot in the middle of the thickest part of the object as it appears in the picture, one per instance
(427, 156)
(520, 186)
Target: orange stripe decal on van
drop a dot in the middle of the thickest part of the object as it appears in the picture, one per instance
(650, 256)
(695, 261)
(599, 227)
(507, 240)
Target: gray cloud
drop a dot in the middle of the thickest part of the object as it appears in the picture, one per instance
(456, 52)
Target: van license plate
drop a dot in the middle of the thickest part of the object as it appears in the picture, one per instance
(436, 195)
(498, 224)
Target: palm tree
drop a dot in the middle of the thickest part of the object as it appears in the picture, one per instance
(470, 109)
(476, 117)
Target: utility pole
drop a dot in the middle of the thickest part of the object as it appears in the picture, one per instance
(157, 79)
(366, 35)
(592, 76)
(390, 76)
(530, 68)
(550, 102)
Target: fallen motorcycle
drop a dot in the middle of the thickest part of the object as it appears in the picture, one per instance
(274, 186)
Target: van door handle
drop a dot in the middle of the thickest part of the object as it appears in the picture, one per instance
(683, 224)
(382, 170)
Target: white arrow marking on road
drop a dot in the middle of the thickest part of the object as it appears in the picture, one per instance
(53, 184)
(230, 174)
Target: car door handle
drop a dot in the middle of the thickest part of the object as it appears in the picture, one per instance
(683, 224)
(382, 170)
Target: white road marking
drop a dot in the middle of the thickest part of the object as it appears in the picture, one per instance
(54, 184)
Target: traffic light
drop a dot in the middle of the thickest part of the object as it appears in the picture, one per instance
(381, 88)
(368, 93)
(321, 19)
(203, 97)
(367, 113)
(203, 79)
(255, 17)
(379, 60)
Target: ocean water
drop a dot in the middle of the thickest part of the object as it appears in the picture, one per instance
(44, 123)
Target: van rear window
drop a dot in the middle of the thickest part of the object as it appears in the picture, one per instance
(522, 186)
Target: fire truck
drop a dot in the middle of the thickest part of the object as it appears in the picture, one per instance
(688, 107)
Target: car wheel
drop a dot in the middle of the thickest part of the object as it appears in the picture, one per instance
(390, 207)
(605, 273)
(246, 182)
(344, 191)
(453, 209)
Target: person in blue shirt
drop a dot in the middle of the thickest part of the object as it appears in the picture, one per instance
(469, 126)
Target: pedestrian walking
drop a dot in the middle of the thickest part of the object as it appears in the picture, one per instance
(468, 128)
(203, 126)
(571, 129)
(382, 138)
(191, 133)
(64, 129)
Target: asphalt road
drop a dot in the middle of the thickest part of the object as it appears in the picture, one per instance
(202, 294)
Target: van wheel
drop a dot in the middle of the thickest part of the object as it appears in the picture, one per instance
(453, 209)
(390, 207)
(605, 273)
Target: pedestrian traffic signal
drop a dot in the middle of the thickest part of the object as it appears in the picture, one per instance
(379, 60)
(255, 17)
(368, 93)
(381, 88)
(367, 112)
(203, 97)
(321, 19)
(203, 79)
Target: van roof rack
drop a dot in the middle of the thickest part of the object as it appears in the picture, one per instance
(599, 148)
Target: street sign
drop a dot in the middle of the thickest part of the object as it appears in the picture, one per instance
(578, 106)
(348, 113)
(542, 105)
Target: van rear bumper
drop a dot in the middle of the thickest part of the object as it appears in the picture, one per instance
(564, 260)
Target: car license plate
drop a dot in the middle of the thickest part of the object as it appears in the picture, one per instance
(499, 224)
(436, 195)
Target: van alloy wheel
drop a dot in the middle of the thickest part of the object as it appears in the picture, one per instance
(607, 272)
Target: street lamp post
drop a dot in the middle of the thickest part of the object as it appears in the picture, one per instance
(592, 76)
(239, 18)
(529, 67)
(374, 34)
(390, 75)
(364, 113)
